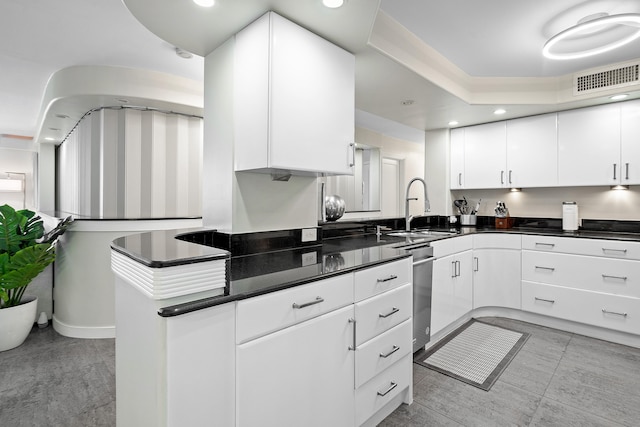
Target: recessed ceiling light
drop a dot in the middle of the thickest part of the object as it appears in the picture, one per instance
(593, 27)
(62, 116)
(204, 3)
(499, 111)
(54, 129)
(408, 102)
(617, 97)
(122, 100)
(48, 138)
(453, 123)
(333, 4)
(183, 53)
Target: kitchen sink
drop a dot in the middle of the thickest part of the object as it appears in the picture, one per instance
(421, 234)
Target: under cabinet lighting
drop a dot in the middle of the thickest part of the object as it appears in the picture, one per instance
(617, 97)
(619, 187)
(515, 190)
(500, 111)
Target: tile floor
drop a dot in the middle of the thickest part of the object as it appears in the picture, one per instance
(557, 379)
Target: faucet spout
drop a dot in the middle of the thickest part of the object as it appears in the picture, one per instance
(427, 205)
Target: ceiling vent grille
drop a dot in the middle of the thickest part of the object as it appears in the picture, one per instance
(609, 78)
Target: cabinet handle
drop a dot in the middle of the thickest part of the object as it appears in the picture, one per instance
(458, 269)
(545, 268)
(395, 348)
(626, 165)
(318, 300)
(615, 166)
(605, 311)
(391, 387)
(353, 346)
(453, 269)
(551, 245)
(393, 311)
(392, 277)
(501, 177)
(352, 151)
(624, 251)
(475, 259)
(460, 179)
(607, 276)
(545, 300)
(510, 176)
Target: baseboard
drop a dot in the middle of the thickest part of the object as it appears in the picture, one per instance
(86, 332)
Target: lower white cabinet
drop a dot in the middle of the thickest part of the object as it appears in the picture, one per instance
(299, 376)
(452, 291)
(496, 278)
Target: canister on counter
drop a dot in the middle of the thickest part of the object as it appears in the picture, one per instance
(569, 216)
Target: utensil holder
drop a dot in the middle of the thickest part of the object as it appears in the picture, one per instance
(468, 219)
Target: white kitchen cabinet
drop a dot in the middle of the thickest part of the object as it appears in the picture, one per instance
(456, 152)
(294, 100)
(496, 270)
(301, 375)
(589, 146)
(630, 143)
(532, 152)
(485, 148)
(452, 289)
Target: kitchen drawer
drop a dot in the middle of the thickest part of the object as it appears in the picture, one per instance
(497, 241)
(383, 388)
(452, 245)
(271, 312)
(581, 246)
(592, 308)
(607, 275)
(378, 354)
(382, 312)
(376, 280)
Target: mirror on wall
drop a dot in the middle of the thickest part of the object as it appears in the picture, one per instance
(361, 192)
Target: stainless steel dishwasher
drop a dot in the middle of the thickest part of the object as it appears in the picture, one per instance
(422, 280)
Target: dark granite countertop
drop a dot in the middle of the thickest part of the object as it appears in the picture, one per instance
(252, 274)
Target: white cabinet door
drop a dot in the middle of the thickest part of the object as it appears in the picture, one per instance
(485, 151)
(589, 146)
(630, 143)
(496, 278)
(532, 151)
(456, 150)
(295, 100)
(452, 293)
(302, 375)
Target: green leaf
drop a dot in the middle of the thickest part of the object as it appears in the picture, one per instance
(18, 229)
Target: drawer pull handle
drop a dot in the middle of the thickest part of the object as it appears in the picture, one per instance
(318, 300)
(392, 277)
(607, 276)
(353, 347)
(605, 311)
(624, 251)
(393, 311)
(395, 348)
(545, 300)
(546, 268)
(551, 245)
(391, 387)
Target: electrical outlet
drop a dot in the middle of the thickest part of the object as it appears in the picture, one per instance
(309, 234)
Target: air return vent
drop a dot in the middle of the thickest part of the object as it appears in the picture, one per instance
(607, 78)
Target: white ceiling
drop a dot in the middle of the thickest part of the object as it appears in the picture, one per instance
(457, 59)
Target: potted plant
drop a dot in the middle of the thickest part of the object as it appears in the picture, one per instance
(25, 251)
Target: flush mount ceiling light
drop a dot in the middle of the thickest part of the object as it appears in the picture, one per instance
(333, 4)
(204, 3)
(453, 123)
(183, 53)
(605, 32)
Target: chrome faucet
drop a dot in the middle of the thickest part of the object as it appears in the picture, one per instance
(427, 205)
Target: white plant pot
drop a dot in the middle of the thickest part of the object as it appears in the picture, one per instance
(16, 323)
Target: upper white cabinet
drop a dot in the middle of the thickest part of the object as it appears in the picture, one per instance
(294, 98)
(589, 146)
(513, 153)
(456, 141)
(630, 143)
(532, 151)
